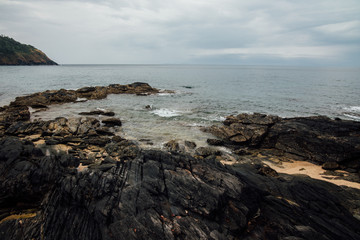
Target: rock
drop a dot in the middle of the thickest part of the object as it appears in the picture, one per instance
(190, 145)
(159, 195)
(117, 139)
(215, 142)
(207, 151)
(112, 122)
(97, 112)
(104, 131)
(267, 171)
(330, 166)
(97, 141)
(318, 139)
(172, 145)
(86, 90)
(109, 114)
(38, 106)
(256, 118)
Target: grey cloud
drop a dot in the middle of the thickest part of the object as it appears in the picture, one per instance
(143, 31)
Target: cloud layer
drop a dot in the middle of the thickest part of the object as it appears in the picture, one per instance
(183, 31)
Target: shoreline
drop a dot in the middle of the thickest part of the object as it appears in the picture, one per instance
(227, 189)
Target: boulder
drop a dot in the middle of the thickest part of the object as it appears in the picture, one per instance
(112, 122)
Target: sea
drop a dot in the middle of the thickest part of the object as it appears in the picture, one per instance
(203, 95)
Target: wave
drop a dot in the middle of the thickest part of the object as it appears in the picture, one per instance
(163, 112)
(353, 109)
(357, 118)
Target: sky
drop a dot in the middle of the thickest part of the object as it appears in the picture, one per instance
(253, 32)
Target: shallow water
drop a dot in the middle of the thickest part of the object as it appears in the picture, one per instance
(204, 94)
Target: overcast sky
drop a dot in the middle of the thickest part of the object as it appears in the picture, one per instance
(266, 32)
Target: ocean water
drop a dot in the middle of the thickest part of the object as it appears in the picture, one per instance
(204, 94)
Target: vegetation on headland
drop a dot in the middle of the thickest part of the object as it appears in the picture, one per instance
(16, 53)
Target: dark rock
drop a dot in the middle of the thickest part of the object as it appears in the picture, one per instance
(316, 139)
(103, 167)
(97, 112)
(97, 141)
(110, 160)
(207, 151)
(267, 171)
(104, 131)
(38, 106)
(117, 139)
(112, 122)
(86, 90)
(190, 145)
(215, 142)
(256, 118)
(330, 166)
(109, 114)
(159, 195)
(172, 145)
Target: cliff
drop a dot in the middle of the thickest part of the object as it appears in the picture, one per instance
(15, 53)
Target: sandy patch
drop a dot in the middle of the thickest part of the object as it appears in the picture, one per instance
(312, 170)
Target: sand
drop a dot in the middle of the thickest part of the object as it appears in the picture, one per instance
(312, 170)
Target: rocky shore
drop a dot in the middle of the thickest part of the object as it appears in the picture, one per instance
(76, 179)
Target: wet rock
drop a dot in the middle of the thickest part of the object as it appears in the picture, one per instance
(172, 145)
(97, 112)
(38, 106)
(190, 145)
(86, 90)
(112, 122)
(109, 114)
(104, 131)
(207, 151)
(215, 142)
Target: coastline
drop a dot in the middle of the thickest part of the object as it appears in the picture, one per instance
(84, 163)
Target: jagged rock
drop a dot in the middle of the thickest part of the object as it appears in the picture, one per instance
(112, 122)
(159, 195)
(243, 129)
(317, 139)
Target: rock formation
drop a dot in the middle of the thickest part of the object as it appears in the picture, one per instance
(334, 143)
(73, 179)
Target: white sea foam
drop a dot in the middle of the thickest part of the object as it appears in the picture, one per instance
(81, 99)
(215, 118)
(163, 112)
(353, 109)
(164, 94)
(352, 116)
(101, 109)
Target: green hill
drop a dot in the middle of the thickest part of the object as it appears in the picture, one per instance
(15, 53)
